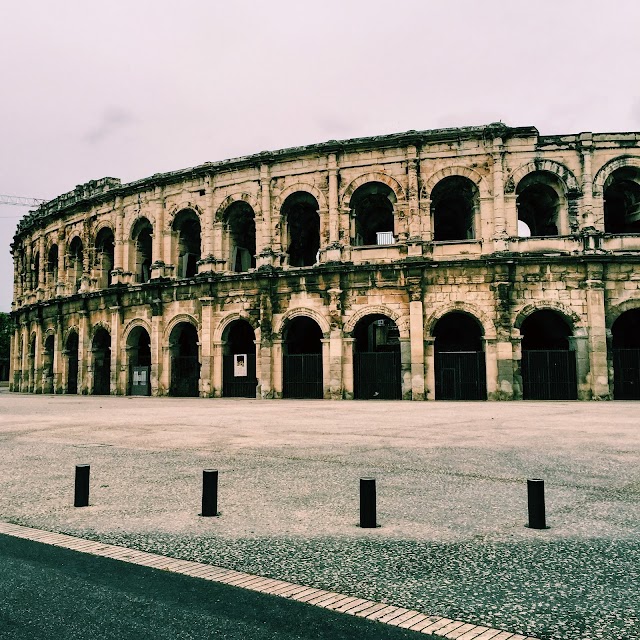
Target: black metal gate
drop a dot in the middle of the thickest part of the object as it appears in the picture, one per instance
(302, 375)
(140, 382)
(185, 375)
(101, 374)
(72, 373)
(460, 375)
(239, 386)
(377, 375)
(549, 375)
(626, 374)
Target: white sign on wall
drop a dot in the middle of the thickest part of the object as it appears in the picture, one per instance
(240, 365)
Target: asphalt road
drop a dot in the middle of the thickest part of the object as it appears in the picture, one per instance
(52, 593)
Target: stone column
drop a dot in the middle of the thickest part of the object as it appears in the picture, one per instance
(276, 369)
(263, 225)
(208, 364)
(37, 370)
(14, 361)
(24, 364)
(84, 348)
(430, 367)
(116, 356)
(491, 367)
(158, 257)
(586, 150)
(29, 268)
(580, 345)
(158, 384)
(335, 364)
(499, 223)
(326, 368)
(120, 265)
(58, 358)
(207, 222)
(405, 367)
(216, 366)
(416, 333)
(264, 372)
(516, 349)
(414, 193)
(258, 369)
(424, 217)
(348, 345)
(504, 366)
(62, 276)
(334, 214)
(42, 267)
(598, 379)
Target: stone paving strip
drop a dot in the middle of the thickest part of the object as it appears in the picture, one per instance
(377, 611)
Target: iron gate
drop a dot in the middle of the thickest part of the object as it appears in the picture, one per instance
(140, 380)
(377, 375)
(239, 386)
(460, 375)
(185, 375)
(101, 375)
(549, 375)
(72, 373)
(626, 374)
(302, 375)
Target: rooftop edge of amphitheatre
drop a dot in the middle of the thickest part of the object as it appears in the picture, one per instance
(107, 188)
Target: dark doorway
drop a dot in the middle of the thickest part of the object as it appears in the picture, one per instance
(460, 368)
(142, 249)
(625, 335)
(538, 204)
(622, 201)
(105, 256)
(47, 365)
(101, 349)
(241, 226)
(302, 359)
(185, 366)
(548, 364)
(372, 214)
(139, 352)
(239, 361)
(72, 362)
(300, 213)
(376, 362)
(454, 201)
(187, 227)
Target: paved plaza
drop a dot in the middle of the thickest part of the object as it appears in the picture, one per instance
(451, 497)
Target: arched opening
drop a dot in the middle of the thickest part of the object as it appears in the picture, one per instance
(372, 221)
(240, 224)
(35, 275)
(141, 237)
(301, 228)
(75, 263)
(548, 361)
(185, 365)
(454, 203)
(71, 353)
(104, 256)
(139, 357)
(302, 359)
(33, 344)
(460, 369)
(376, 360)
(52, 265)
(539, 205)
(625, 334)
(239, 361)
(186, 226)
(47, 365)
(622, 201)
(101, 352)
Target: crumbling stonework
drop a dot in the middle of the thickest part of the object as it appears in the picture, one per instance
(423, 265)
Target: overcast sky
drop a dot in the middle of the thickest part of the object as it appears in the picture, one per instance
(131, 88)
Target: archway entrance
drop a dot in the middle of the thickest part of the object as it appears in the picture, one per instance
(101, 348)
(548, 363)
(376, 361)
(47, 365)
(302, 359)
(239, 361)
(625, 334)
(32, 364)
(459, 358)
(139, 355)
(185, 366)
(71, 351)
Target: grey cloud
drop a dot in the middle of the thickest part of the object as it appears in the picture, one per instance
(113, 119)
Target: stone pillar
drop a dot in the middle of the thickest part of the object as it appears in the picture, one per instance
(414, 194)
(264, 372)
(29, 268)
(504, 366)
(263, 225)
(157, 242)
(208, 364)
(207, 222)
(119, 263)
(499, 223)
(116, 355)
(598, 379)
(491, 367)
(38, 369)
(430, 367)
(58, 359)
(14, 361)
(424, 217)
(42, 267)
(586, 150)
(416, 333)
(258, 368)
(84, 348)
(216, 367)
(348, 345)
(405, 367)
(276, 369)
(335, 364)
(85, 283)
(24, 361)
(326, 368)
(580, 344)
(62, 276)
(158, 384)
(516, 349)
(334, 213)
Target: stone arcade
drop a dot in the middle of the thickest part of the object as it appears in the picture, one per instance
(474, 263)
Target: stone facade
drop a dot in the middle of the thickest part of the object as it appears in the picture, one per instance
(431, 246)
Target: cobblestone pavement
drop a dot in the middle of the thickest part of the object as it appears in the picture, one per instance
(451, 497)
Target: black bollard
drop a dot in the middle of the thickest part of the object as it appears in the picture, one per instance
(81, 495)
(210, 492)
(368, 503)
(535, 499)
